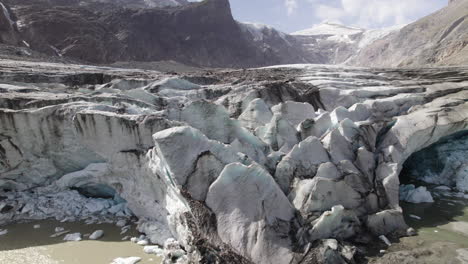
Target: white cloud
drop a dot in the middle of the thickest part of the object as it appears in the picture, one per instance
(373, 13)
(291, 6)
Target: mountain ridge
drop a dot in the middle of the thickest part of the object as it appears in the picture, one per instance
(205, 34)
(438, 39)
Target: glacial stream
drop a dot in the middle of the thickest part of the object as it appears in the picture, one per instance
(442, 228)
(434, 199)
(29, 243)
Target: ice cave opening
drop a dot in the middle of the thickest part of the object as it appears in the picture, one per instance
(97, 190)
(434, 187)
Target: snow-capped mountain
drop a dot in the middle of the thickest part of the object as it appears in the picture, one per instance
(109, 31)
(96, 3)
(142, 3)
(338, 43)
(329, 28)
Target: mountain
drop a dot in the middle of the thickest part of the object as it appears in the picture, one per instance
(94, 3)
(276, 165)
(104, 32)
(205, 34)
(438, 39)
(272, 41)
(336, 43)
(8, 30)
(329, 29)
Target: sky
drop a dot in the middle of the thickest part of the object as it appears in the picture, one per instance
(294, 15)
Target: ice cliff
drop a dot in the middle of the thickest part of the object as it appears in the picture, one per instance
(289, 164)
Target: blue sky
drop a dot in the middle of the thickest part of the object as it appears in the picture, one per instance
(293, 15)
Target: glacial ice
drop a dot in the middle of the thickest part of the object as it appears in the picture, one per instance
(256, 114)
(385, 240)
(96, 235)
(415, 217)
(301, 162)
(250, 195)
(337, 223)
(320, 194)
(258, 168)
(62, 205)
(73, 237)
(444, 163)
(411, 194)
(462, 178)
(127, 260)
(156, 250)
(294, 112)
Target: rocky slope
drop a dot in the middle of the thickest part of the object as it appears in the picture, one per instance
(197, 34)
(200, 34)
(438, 39)
(8, 30)
(205, 34)
(294, 164)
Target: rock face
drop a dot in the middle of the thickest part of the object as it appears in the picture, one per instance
(8, 30)
(438, 39)
(205, 34)
(271, 165)
(201, 34)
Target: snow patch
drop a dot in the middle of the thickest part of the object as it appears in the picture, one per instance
(129, 260)
(370, 36)
(328, 28)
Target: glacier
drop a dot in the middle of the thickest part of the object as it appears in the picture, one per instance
(285, 164)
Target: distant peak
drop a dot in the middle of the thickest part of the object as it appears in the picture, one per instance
(337, 23)
(329, 28)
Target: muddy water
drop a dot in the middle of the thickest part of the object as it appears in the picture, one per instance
(442, 234)
(446, 220)
(23, 244)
